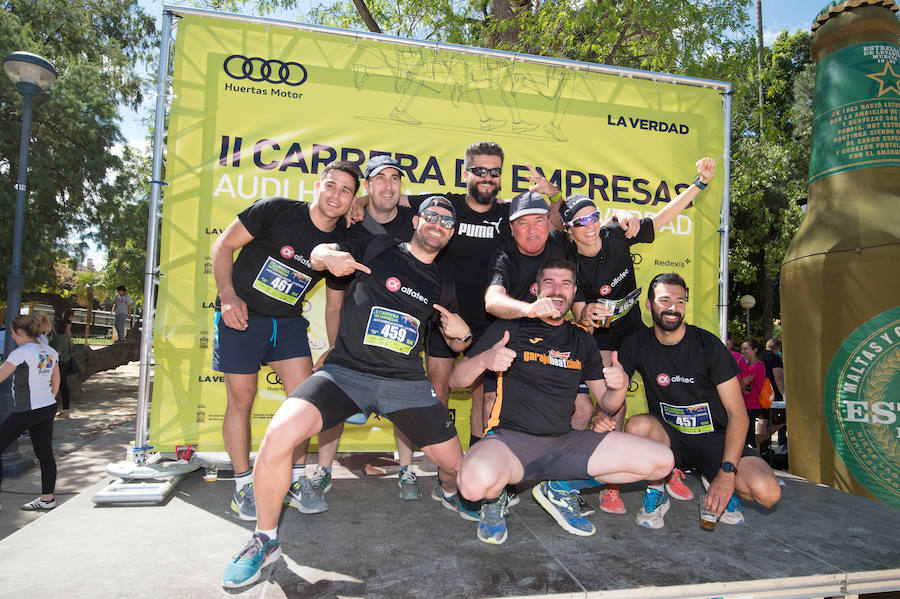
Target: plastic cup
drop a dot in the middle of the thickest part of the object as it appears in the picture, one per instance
(212, 473)
(707, 518)
(603, 321)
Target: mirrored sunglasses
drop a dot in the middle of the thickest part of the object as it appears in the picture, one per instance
(583, 221)
(480, 171)
(432, 217)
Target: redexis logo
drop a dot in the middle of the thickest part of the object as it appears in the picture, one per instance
(261, 70)
(862, 404)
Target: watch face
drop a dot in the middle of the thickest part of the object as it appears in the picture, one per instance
(728, 467)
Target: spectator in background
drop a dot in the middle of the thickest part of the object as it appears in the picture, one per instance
(751, 385)
(62, 343)
(771, 357)
(122, 306)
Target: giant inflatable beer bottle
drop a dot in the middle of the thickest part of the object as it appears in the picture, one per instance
(841, 276)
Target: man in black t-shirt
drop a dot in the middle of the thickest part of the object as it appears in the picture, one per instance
(384, 216)
(695, 407)
(259, 318)
(540, 362)
(482, 227)
(374, 367)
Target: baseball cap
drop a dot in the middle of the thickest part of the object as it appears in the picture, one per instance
(529, 202)
(575, 203)
(440, 201)
(379, 163)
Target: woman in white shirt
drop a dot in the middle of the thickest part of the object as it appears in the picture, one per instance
(35, 371)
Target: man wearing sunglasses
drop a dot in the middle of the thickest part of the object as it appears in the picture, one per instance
(375, 367)
(482, 226)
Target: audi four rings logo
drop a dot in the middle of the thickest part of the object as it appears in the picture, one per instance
(259, 69)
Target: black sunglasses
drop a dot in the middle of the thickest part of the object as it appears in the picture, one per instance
(480, 171)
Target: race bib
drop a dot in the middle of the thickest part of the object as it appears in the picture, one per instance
(690, 420)
(622, 306)
(281, 282)
(391, 330)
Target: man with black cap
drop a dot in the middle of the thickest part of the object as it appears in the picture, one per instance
(375, 367)
(482, 227)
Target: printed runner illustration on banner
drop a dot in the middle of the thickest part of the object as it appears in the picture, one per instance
(259, 109)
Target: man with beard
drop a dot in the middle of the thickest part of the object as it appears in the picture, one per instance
(695, 407)
(540, 362)
(482, 227)
(375, 367)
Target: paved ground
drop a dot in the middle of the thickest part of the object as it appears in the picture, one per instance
(817, 542)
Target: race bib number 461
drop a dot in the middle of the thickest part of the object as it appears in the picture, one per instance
(391, 329)
(281, 282)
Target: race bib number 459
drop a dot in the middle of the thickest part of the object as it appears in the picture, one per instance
(391, 329)
(281, 282)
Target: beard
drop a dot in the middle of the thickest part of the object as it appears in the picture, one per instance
(429, 244)
(483, 199)
(567, 304)
(667, 326)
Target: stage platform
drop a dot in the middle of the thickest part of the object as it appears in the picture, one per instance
(817, 542)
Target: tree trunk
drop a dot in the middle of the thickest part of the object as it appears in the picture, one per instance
(88, 317)
(366, 16)
(504, 15)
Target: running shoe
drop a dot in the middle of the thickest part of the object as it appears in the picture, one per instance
(653, 507)
(321, 480)
(303, 496)
(39, 505)
(491, 522)
(563, 507)
(244, 569)
(409, 485)
(676, 488)
(244, 504)
(456, 503)
(610, 502)
(584, 508)
(733, 513)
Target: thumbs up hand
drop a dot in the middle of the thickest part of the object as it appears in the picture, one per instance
(499, 358)
(614, 374)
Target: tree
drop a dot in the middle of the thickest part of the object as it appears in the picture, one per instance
(95, 45)
(88, 289)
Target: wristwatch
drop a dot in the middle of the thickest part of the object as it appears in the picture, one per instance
(699, 182)
(466, 338)
(729, 468)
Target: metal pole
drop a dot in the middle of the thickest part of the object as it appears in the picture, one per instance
(151, 268)
(724, 227)
(14, 463)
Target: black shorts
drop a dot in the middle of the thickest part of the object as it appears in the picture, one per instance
(559, 457)
(425, 421)
(702, 452)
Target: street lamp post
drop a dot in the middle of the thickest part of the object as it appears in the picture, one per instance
(747, 302)
(32, 75)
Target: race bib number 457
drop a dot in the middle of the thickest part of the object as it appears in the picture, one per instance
(391, 329)
(690, 420)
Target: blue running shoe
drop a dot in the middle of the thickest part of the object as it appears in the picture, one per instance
(244, 569)
(465, 509)
(409, 484)
(491, 523)
(653, 507)
(564, 509)
(733, 513)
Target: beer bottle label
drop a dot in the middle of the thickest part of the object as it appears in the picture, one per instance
(857, 110)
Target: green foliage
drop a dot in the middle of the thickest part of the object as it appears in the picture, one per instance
(95, 45)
